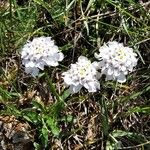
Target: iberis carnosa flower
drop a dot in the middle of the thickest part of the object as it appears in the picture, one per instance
(116, 61)
(82, 74)
(40, 52)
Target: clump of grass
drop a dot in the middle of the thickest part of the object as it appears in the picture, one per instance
(116, 117)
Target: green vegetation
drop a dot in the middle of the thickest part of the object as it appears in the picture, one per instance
(116, 117)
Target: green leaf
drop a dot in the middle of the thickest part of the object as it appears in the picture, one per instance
(68, 118)
(109, 146)
(30, 116)
(55, 130)
(66, 47)
(68, 7)
(90, 3)
(120, 133)
(56, 109)
(53, 126)
(43, 4)
(104, 116)
(65, 94)
(145, 110)
(37, 146)
(39, 105)
(134, 136)
(5, 94)
(112, 145)
(45, 135)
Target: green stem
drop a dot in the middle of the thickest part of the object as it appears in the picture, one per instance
(104, 117)
(52, 88)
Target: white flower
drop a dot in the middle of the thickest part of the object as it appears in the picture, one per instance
(116, 61)
(40, 52)
(82, 74)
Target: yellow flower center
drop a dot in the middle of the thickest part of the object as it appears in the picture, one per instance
(120, 54)
(83, 69)
(82, 72)
(39, 49)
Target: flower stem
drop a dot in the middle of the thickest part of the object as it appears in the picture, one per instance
(52, 87)
(104, 117)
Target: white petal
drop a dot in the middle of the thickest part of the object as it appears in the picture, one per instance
(28, 70)
(92, 86)
(115, 63)
(123, 68)
(47, 60)
(54, 63)
(75, 82)
(116, 72)
(125, 72)
(107, 57)
(96, 55)
(102, 64)
(75, 89)
(50, 62)
(41, 65)
(121, 78)
(109, 77)
(128, 63)
(98, 75)
(61, 56)
(38, 56)
(130, 68)
(134, 63)
(104, 70)
(110, 71)
(33, 71)
(82, 59)
(67, 80)
(23, 54)
(96, 65)
(24, 61)
(54, 49)
(30, 64)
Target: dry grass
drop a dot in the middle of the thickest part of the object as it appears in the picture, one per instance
(116, 117)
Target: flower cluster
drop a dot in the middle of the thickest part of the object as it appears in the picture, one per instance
(40, 52)
(116, 61)
(82, 74)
